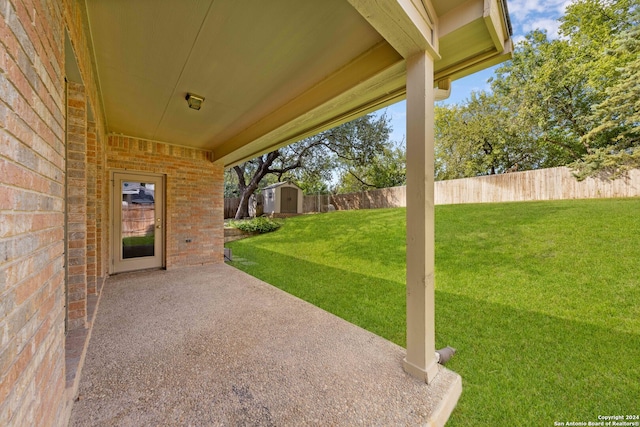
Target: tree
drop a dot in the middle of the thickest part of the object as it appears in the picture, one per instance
(618, 115)
(553, 103)
(387, 168)
(483, 137)
(356, 142)
(553, 84)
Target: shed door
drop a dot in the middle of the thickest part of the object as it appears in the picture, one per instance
(289, 200)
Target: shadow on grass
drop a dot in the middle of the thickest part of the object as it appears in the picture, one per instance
(527, 368)
(372, 303)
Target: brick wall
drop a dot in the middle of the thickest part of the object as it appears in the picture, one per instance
(76, 206)
(102, 207)
(194, 196)
(92, 213)
(33, 169)
(31, 213)
(74, 16)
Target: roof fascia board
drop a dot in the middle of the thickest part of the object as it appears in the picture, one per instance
(475, 64)
(495, 25)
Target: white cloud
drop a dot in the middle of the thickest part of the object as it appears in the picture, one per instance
(550, 25)
(517, 39)
(520, 9)
(563, 7)
(528, 15)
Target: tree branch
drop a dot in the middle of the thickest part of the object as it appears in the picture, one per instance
(359, 179)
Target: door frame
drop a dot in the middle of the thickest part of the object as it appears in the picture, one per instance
(117, 263)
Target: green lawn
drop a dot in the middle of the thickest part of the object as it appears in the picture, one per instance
(541, 299)
(138, 240)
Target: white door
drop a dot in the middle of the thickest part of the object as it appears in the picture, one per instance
(137, 221)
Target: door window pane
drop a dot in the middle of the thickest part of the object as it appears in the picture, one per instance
(138, 219)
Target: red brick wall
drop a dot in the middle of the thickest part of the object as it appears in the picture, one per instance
(76, 206)
(31, 213)
(194, 196)
(101, 209)
(33, 170)
(92, 193)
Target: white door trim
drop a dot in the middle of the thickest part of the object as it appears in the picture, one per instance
(120, 262)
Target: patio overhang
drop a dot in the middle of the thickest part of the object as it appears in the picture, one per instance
(95, 95)
(277, 71)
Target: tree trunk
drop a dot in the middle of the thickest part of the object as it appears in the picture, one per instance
(243, 209)
(246, 190)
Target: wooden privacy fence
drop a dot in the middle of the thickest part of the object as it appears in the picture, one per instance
(231, 207)
(393, 197)
(138, 220)
(542, 184)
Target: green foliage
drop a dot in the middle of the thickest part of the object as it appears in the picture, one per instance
(606, 163)
(567, 101)
(387, 168)
(618, 115)
(261, 224)
(354, 146)
(547, 93)
(483, 137)
(539, 298)
(230, 184)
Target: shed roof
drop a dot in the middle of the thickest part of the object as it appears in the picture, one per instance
(280, 184)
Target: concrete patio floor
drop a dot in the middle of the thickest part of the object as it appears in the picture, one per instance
(214, 346)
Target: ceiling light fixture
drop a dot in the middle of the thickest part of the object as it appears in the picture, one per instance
(194, 101)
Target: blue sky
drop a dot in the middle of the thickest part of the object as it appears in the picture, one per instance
(526, 16)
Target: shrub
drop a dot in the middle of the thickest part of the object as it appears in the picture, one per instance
(261, 224)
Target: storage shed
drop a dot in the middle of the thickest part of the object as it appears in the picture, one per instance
(282, 197)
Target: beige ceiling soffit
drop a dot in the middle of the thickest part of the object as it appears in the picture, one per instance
(361, 69)
(175, 90)
(477, 63)
(407, 25)
(348, 116)
(460, 16)
(379, 91)
(497, 27)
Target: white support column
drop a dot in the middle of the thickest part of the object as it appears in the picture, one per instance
(420, 361)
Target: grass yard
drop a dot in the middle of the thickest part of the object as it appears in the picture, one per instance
(541, 299)
(138, 240)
